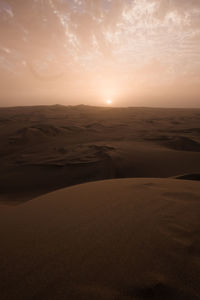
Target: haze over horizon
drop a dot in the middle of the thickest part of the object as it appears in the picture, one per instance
(132, 52)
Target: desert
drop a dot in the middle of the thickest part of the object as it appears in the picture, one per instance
(44, 148)
(99, 150)
(99, 203)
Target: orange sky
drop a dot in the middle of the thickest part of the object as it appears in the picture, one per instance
(135, 52)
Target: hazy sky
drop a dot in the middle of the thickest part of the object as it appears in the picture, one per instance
(135, 52)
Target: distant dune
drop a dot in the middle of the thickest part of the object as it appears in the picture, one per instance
(115, 239)
(44, 148)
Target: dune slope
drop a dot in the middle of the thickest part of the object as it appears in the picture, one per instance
(44, 148)
(115, 239)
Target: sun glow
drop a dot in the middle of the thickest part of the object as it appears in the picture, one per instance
(109, 102)
(104, 52)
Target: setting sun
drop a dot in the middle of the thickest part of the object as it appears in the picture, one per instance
(108, 101)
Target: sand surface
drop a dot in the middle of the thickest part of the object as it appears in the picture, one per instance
(113, 239)
(46, 148)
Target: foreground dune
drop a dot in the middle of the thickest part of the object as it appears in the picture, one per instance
(115, 239)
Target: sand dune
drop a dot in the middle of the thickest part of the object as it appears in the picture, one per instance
(114, 239)
(46, 148)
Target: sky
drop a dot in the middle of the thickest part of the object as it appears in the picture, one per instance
(132, 52)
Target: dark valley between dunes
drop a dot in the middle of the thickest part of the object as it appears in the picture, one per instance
(44, 148)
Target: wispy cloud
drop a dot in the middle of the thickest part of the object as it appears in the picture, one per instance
(148, 40)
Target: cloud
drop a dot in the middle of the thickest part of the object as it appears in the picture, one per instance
(122, 38)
